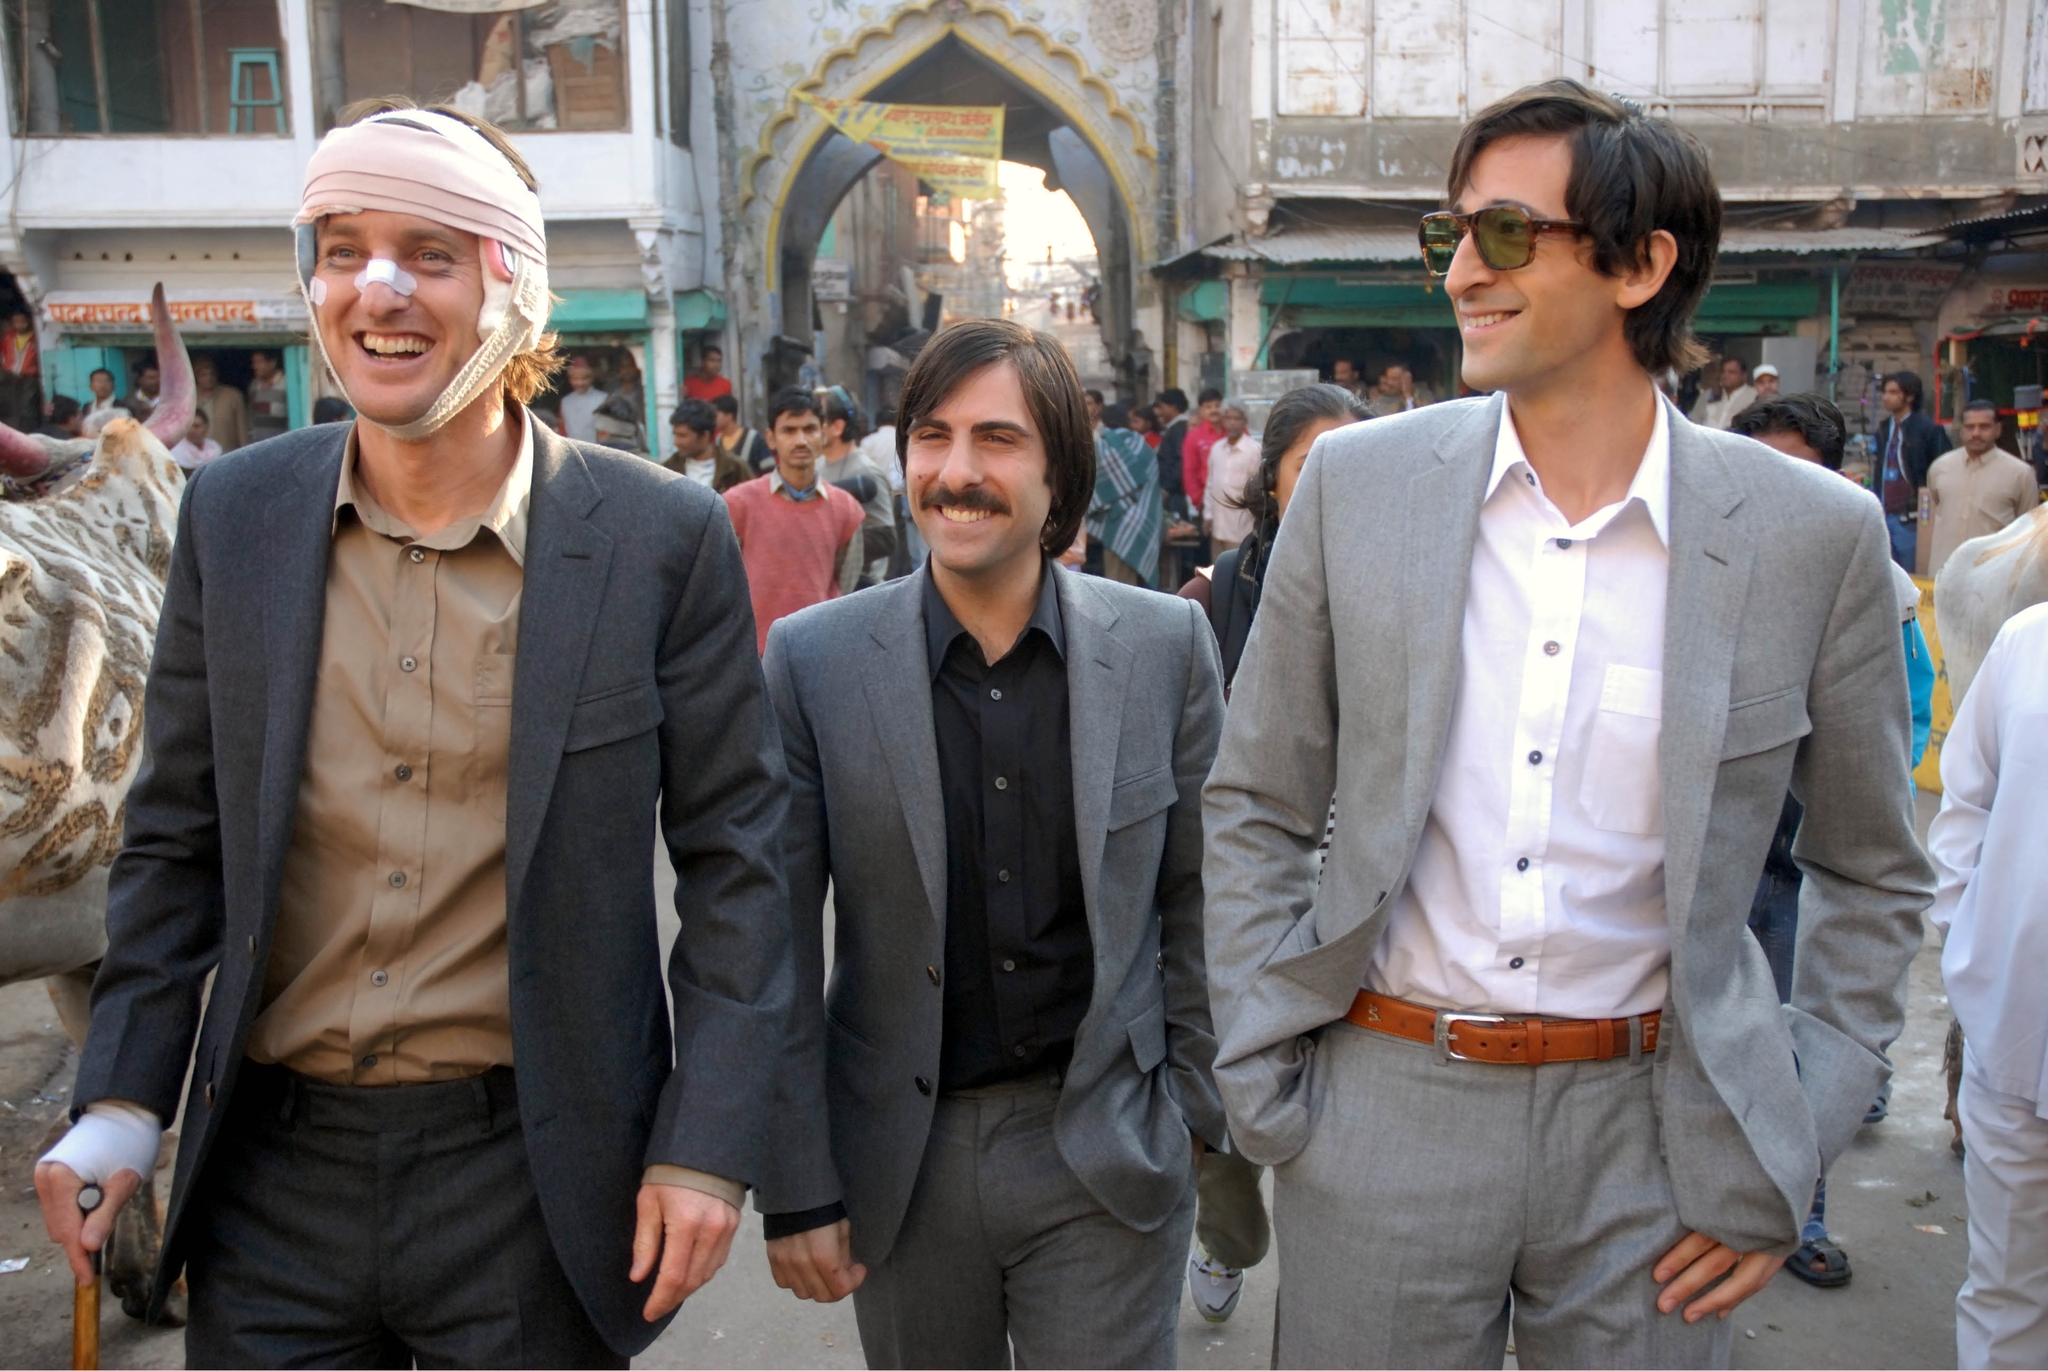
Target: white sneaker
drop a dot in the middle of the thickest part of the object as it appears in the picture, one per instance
(1214, 1286)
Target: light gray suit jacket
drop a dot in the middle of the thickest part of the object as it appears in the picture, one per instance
(852, 688)
(1782, 665)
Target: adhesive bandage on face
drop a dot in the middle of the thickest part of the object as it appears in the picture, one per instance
(390, 273)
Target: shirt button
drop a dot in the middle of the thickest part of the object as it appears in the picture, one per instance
(924, 1087)
(1550, 648)
(1018, 1050)
(370, 1060)
(1535, 759)
(931, 974)
(404, 772)
(1009, 965)
(1564, 544)
(1002, 783)
(995, 694)
(407, 663)
(1004, 875)
(1515, 965)
(378, 978)
(397, 879)
(1522, 865)
(417, 555)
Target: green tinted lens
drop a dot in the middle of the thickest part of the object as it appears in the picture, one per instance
(1506, 241)
(1439, 242)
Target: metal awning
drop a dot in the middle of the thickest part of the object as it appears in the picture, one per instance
(1745, 242)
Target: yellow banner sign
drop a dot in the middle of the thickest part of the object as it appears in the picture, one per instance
(952, 148)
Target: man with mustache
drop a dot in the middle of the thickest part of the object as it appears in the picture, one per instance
(986, 1130)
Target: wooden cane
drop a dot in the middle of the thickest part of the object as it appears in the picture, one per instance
(85, 1305)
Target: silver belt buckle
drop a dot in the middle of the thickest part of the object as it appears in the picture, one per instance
(1445, 1018)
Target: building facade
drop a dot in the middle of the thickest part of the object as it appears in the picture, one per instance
(164, 140)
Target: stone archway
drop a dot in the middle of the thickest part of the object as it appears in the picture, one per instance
(1064, 119)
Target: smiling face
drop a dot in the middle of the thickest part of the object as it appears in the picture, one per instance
(1558, 319)
(396, 353)
(976, 474)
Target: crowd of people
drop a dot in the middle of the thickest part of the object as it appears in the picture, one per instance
(1432, 847)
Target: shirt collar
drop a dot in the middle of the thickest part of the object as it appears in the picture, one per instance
(1652, 483)
(505, 516)
(778, 486)
(942, 626)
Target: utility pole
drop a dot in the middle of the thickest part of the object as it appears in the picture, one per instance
(738, 282)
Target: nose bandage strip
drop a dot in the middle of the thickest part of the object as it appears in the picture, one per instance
(390, 273)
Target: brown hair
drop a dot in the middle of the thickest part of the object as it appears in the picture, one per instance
(1052, 392)
(1631, 176)
(530, 372)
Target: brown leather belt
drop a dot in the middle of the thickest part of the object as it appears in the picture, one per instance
(1506, 1041)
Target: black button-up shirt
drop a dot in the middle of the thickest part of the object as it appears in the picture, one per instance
(1019, 959)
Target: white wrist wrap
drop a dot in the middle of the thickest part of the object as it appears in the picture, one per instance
(114, 1136)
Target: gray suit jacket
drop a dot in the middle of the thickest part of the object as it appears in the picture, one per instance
(635, 699)
(1782, 664)
(852, 690)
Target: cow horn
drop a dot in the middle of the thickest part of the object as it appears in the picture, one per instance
(177, 394)
(21, 456)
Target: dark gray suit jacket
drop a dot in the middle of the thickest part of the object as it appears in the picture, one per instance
(636, 693)
(851, 680)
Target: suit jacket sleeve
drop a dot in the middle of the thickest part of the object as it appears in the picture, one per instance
(1267, 803)
(166, 897)
(1190, 1035)
(800, 1175)
(1866, 879)
(722, 800)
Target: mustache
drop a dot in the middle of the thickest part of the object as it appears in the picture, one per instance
(974, 497)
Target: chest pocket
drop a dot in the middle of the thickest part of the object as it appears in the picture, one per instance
(1623, 789)
(1762, 724)
(614, 716)
(491, 736)
(1141, 797)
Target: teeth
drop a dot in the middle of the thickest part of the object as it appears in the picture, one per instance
(963, 516)
(386, 345)
(1483, 320)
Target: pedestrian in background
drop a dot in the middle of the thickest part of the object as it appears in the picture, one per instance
(846, 464)
(1141, 421)
(269, 397)
(1812, 429)
(195, 449)
(579, 404)
(21, 374)
(227, 415)
(1977, 488)
(1717, 408)
(1203, 434)
(100, 386)
(140, 401)
(1006, 811)
(1764, 381)
(698, 456)
(1344, 375)
(1231, 1228)
(1127, 501)
(750, 445)
(1992, 910)
(1551, 1081)
(1907, 442)
(1396, 392)
(708, 381)
(799, 534)
(1232, 463)
(437, 1113)
(1170, 417)
(67, 419)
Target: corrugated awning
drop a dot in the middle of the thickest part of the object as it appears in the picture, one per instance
(1745, 242)
(1307, 244)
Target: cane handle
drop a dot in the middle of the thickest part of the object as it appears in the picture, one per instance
(85, 1300)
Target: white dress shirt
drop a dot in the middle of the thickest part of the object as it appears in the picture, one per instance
(1538, 886)
(1991, 867)
(1232, 464)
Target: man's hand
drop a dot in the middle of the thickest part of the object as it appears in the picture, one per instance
(1696, 1262)
(81, 1235)
(691, 1234)
(817, 1264)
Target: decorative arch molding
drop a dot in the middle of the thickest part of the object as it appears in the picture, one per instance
(1053, 70)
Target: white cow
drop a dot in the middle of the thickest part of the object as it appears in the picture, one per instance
(1985, 582)
(85, 547)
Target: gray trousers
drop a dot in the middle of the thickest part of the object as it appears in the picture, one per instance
(1003, 1251)
(364, 1227)
(1231, 1221)
(1434, 1196)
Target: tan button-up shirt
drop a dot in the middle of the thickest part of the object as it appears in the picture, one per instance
(388, 964)
(1974, 496)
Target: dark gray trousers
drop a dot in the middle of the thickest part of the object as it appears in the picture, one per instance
(1004, 1253)
(336, 1226)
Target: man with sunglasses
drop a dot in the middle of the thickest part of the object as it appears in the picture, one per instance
(1559, 715)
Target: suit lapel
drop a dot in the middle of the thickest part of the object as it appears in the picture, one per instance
(1710, 563)
(897, 681)
(1098, 676)
(567, 562)
(298, 538)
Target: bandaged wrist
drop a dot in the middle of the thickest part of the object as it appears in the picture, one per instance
(113, 1136)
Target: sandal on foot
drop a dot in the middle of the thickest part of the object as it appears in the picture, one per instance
(1820, 1263)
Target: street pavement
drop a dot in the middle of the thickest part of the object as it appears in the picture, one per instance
(1895, 1204)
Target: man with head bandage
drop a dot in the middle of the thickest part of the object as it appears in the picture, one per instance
(425, 686)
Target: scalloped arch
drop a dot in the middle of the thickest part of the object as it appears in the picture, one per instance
(885, 31)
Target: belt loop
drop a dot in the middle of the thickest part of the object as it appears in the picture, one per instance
(1635, 1038)
(1532, 1041)
(1603, 1040)
(480, 1092)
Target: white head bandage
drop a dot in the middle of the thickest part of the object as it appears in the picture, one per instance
(426, 164)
